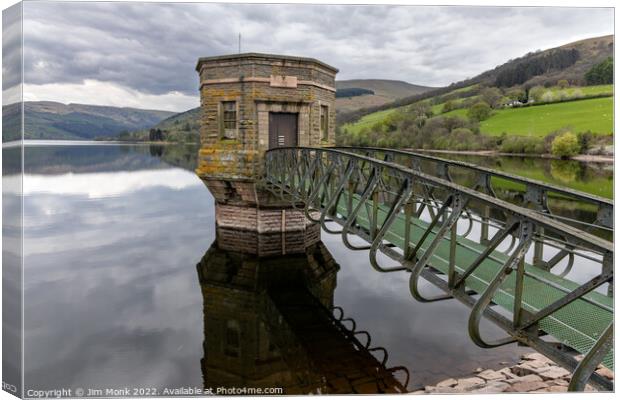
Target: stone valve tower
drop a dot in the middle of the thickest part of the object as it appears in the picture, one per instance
(252, 103)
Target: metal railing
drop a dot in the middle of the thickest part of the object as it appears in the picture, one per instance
(535, 195)
(417, 219)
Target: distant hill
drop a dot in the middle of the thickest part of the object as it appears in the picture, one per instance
(589, 52)
(53, 120)
(181, 127)
(385, 91)
(570, 61)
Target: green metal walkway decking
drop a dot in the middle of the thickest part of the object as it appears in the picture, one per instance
(578, 325)
(418, 220)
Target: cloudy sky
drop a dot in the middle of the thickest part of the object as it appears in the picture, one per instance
(144, 54)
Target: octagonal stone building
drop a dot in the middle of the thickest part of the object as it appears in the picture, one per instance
(251, 103)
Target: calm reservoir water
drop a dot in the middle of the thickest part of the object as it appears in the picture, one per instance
(588, 177)
(113, 236)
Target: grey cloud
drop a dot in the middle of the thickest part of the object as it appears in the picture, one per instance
(11, 47)
(153, 48)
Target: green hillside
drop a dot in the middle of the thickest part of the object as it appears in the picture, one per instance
(570, 62)
(589, 114)
(435, 102)
(525, 129)
(595, 115)
(447, 122)
(367, 121)
(518, 107)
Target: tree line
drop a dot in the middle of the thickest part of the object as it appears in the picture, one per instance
(352, 92)
(602, 73)
(537, 65)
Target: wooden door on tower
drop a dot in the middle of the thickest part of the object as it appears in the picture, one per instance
(282, 129)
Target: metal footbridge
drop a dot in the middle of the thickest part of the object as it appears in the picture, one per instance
(503, 245)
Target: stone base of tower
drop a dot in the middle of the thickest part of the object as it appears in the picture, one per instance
(264, 232)
(252, 220)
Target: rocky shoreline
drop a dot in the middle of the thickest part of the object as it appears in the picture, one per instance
(535, 373)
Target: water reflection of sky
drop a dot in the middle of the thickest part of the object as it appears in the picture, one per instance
(113, 299)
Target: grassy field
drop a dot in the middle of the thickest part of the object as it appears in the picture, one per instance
(367, 121)
(586, 90)
(438, 108)
(595, 115)
(598, 89)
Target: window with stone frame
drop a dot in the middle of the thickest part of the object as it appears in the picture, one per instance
(229, 119)
(324, 123)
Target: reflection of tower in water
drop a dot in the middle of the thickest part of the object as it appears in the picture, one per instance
(268, 281)
(269, 320)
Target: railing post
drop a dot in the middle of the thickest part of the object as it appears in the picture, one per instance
(526, 229)
(484, 181)
(443, 171)
(351, 192)
(484, 228)
(408, 214)
(538, 249)
(375, 214)
(452, 259)
(537, 197)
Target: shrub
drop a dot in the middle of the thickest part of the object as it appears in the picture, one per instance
(562, 83)
(468, 102)
(448, 106)
(547, 97)
(492, 96)
(563, 95)
(585, 140)
(536, 93)
(577, 94)
(479, 111)
(516, 93)
(522, 145)
(565, 145)
(421, 109)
